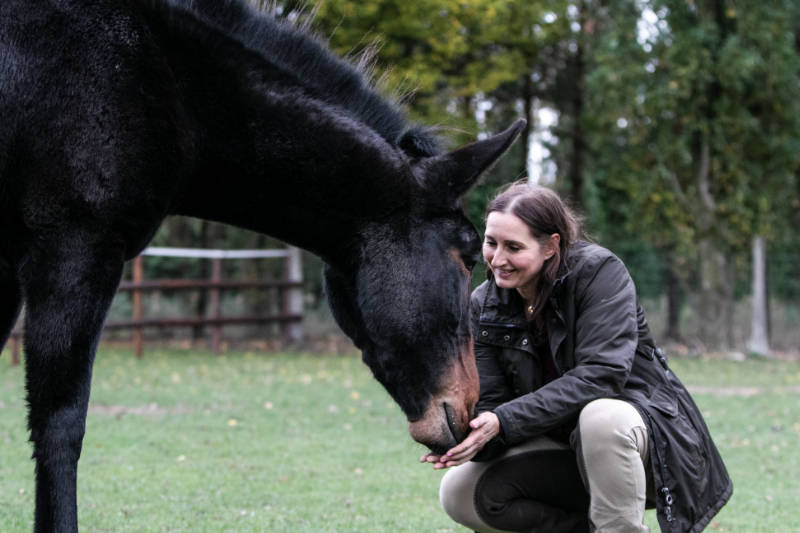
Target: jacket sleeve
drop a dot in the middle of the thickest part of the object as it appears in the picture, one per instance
(605, 337)
(494, 388)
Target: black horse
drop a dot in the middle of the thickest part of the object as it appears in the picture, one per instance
(117, 113)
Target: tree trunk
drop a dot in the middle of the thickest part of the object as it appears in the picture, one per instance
(578, 142)
(716, 297)
(759, 320)
(674, 300)
(528, 132)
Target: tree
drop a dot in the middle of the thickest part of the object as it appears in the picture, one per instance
(707, 141)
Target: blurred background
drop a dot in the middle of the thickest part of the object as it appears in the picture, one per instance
(670, 125)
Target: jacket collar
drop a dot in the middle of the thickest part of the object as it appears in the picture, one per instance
(502, 306)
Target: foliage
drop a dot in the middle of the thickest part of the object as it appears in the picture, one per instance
(727, 81)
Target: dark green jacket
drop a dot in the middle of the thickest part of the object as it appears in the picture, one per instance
(602, 347)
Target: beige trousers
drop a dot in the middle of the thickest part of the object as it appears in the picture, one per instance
(612, 449)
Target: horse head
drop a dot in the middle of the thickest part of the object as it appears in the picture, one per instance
(404, 297)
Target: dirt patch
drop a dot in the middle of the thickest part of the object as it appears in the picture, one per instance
(118, 411)
(744, 392)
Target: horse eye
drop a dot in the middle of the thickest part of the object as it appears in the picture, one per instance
(470, 260)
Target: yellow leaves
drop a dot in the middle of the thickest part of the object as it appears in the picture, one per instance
(180, 458)
(232, 422)
(354, 395)
(740, 443)
(176, 378)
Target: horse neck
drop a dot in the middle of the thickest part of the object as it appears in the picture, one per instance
(271, 156)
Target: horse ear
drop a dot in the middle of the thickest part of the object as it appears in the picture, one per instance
(451, 175)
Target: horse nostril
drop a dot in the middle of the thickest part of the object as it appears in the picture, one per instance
(450, 416)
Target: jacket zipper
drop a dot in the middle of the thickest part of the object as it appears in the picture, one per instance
(500, 325)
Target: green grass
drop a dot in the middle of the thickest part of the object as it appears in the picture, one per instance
(191, 442)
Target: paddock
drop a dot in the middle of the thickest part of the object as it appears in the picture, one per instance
(188, 441)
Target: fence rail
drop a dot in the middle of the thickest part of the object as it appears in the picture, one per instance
(289, 287)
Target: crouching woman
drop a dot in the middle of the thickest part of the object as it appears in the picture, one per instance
(581, 425)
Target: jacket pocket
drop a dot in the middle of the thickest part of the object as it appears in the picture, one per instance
(682, 440)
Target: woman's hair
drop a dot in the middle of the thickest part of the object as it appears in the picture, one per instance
(543, 211)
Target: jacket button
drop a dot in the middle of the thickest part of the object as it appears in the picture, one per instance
(524, 342)
(485, 333)
(507, 337)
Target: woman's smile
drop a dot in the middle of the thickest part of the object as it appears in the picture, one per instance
(502, 274)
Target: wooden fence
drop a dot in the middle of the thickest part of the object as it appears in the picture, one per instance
(290, 288)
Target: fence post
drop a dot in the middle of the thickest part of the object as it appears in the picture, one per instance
(293, 296)
(138, 314)
(216, 304)
(15, 342)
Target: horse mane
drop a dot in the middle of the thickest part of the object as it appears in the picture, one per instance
(293, 48)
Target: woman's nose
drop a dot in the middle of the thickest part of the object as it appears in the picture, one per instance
(498, 259)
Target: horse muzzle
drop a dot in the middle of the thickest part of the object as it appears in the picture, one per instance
(445, 422)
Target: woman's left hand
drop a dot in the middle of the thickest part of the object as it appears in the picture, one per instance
(484, 428)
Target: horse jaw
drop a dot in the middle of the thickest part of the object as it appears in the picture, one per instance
(445, 422)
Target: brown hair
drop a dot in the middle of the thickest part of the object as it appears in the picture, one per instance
(543, 211)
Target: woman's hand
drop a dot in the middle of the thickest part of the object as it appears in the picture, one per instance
(484, 428)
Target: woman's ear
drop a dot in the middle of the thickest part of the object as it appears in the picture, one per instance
(552, 244)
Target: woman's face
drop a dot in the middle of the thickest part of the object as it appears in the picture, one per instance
(514, 256)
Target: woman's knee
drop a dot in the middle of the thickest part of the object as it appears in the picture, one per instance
(607, 423)
(457, 492)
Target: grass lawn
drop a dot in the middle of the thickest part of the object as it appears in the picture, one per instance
(186, 441)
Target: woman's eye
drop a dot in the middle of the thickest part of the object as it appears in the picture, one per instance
(513, 248)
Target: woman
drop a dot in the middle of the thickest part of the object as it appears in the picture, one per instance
(580, 424)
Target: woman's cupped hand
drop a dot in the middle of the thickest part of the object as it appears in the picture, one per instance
(485, 427)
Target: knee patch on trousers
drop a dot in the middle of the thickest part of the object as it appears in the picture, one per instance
(538, 490)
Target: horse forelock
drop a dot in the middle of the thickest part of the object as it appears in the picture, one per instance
(293, 47)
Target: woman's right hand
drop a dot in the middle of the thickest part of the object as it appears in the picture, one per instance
(485, 426)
